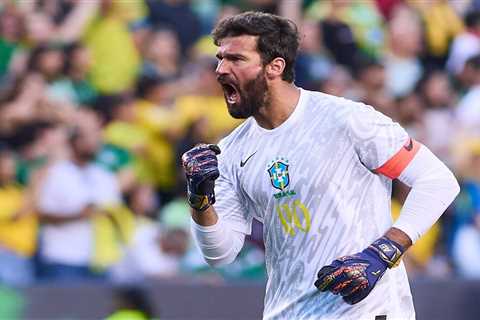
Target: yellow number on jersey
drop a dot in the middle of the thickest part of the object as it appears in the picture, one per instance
(290, 214)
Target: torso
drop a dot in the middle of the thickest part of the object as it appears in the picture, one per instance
(317, 201)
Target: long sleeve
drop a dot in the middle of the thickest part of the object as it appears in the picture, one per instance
(219, 243)
(433, 189)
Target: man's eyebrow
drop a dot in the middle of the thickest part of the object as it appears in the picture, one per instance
(230, 56)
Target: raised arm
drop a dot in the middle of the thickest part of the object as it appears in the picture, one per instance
(216, 235)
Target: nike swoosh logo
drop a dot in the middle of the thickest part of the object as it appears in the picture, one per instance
(410, 145)
(376, 272)
(243, 163)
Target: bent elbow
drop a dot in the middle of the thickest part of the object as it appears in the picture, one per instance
(455, 186)
(227, 258)
(216, 262)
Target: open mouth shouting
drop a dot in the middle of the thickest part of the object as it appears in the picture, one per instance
(230, 90)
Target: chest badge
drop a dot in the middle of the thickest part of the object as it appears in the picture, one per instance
(279, 175)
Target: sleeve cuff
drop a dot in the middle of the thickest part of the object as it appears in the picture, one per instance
(408, 229)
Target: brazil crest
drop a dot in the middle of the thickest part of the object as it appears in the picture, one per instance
(279, 175)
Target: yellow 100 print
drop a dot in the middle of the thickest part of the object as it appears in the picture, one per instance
(294, 217)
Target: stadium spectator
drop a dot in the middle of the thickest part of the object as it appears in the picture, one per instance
(340, 83)
(38, 144)
(153, 252)
(48, 61)
(162, 54)
(179, 16)
(18, 226)
(410, 111)
(339, 40)
(361, 17)
(466, 231)
(441, 25)
(74, 190)
(157, 115)
(131, 303)
(402, 64)
(466, 44)
(468, 113)
(372, 88)
(78, 61)
(54, 21)
(439, 115)
(126, 141)
(11, 32)
(106, 36)
(313, 63)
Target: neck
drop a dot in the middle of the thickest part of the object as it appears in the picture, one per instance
(283, 101)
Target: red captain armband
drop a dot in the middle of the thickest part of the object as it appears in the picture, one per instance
(400, 160)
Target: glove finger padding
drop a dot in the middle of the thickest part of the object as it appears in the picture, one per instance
(199, 182)
(202, 159)
(357, 295)
(354, 276)
(201, 169)
(328, 275)
(207, 169)
(353, 286)
(214, 148)
(194, 160)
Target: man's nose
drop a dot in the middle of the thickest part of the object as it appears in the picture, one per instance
(222, 68)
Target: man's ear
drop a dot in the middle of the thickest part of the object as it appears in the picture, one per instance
(275, 68)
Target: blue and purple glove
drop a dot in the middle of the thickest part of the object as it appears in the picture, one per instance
(201, 169)
(354, 276)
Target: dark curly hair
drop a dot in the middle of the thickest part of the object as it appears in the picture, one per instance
(277, 37)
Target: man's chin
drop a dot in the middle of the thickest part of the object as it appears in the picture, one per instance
(236, 111)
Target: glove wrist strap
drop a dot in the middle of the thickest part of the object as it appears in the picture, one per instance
(388, 251)
(200, 202)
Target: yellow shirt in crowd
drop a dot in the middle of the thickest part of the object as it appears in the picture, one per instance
(18, 235)
(211, 108)
(147, 138)
(115, 59)
(442, 24)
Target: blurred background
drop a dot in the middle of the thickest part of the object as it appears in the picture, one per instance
(99, 99)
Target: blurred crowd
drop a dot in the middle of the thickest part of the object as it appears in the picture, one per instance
(99, 98)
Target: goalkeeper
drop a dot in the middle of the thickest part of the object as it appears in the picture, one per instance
(316, 170)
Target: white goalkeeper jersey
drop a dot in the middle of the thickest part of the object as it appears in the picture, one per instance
(314, 182)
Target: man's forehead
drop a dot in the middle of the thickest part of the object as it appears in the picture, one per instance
(238, 44)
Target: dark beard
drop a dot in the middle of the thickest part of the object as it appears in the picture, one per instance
(253, 96)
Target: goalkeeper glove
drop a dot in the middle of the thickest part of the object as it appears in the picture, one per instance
(201, 169)
(354, 276)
